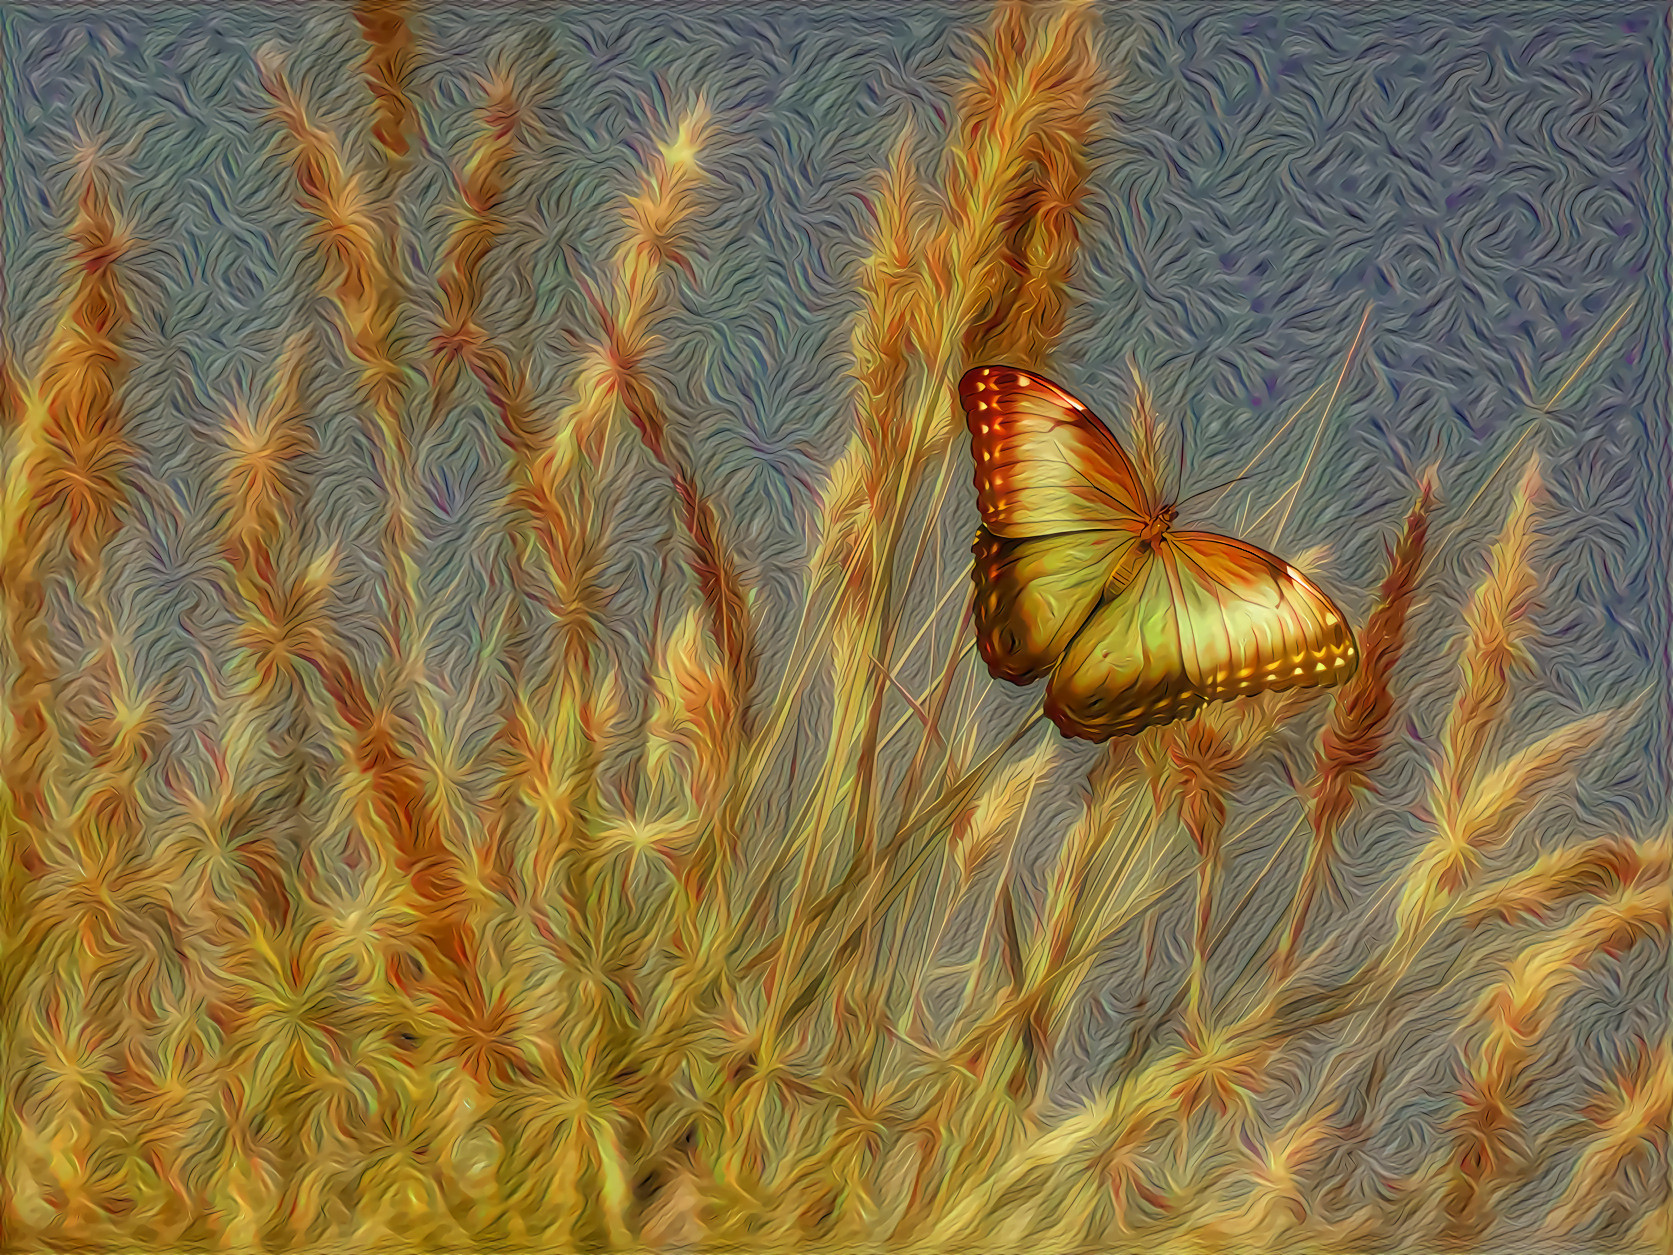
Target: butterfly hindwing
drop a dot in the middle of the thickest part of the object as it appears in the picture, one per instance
(1263, 625)
(1207, 618)
(1033, 595)
(1045, 464)
(1124, 671)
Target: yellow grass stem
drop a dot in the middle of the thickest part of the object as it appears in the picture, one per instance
(998, 818)
(358, 249)
(744, 921)
(1106, 1130)
(694, 705)
(1058, 960)
(1294, 493)
(1113, 797)
(882, 341)
(1551, 404)
(976, 835)
(1188, 767)
(1200, 761)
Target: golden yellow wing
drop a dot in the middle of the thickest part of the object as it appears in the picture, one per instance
(1045, 464)
(1034, 594)
(1206, 618)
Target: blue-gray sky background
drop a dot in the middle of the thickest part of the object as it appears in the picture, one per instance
(1489, 179)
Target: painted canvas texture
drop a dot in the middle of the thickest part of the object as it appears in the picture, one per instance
(859, 626)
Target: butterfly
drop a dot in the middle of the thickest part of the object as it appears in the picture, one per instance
(1079, 574)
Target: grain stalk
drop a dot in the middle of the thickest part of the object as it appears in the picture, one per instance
(67, 855)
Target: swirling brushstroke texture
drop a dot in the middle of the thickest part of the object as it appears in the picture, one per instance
(491, 751)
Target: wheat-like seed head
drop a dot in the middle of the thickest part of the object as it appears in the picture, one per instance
(1631, 1120)
(481, 185)
(390, 54)
(1364, 706)
(1517, 1012)
(1032, 315)
(891, 293)
(1560, 875)
(1023, 313)
(655, 218)
(351, 240)
(258, 480)
(977, 838)
(1486, 816)
(1006, 109)
(1499, 627)
(1277, 1202)
(1112, 798)
(84, 456)
(694, 702)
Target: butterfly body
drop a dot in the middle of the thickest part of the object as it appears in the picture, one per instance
(1080, 575)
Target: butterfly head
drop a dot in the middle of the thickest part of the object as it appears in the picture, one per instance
(1158, 525)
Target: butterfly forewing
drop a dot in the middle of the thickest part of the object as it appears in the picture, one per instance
(1208, 618)
(1045, 464)
(1033, 595)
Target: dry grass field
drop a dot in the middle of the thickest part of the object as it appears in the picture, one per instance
(423, 905)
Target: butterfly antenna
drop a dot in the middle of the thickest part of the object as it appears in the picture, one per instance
(1145, 434)
(1179, 472)
(1206, 491)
